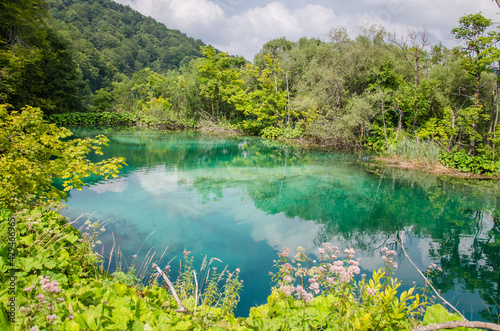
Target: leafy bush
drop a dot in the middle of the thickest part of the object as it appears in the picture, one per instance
(273, 133)
(326, 295)
(476, 164)
(99, 118)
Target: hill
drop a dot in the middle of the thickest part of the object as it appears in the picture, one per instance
(109, 39)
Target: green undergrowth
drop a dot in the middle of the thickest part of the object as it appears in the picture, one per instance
(117, 119)
(61, 283)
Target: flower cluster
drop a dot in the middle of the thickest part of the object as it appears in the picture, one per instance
(316, 278)
(43, 302)
(387, 258)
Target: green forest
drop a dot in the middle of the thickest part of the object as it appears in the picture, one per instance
(67, 63)
(99, 62)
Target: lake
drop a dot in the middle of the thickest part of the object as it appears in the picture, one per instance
(242, 200)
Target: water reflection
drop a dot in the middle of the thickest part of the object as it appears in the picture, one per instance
(243, 199)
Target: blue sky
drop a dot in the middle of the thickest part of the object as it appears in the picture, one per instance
(241, 27)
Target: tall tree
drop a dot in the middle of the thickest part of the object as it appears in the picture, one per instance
(472, 31)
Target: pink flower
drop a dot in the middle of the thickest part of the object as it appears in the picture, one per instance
(154, 265)
(330, 280)
(371, 291)
(22, 309)
(35, 328)
(287, 279)
(51, 318)
(134, 256)
(314, 287)
(51, 287)
(384, 249)
(237, 270)
(285, 253)
(71, 317)
(321, 251)
(40, 296)
(287, 290)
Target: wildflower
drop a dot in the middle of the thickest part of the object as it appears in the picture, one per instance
(389, 253)
(330, 280)
(154, 265)
(40, 296)
(287, 279)
(44, 280)
(371, 291)
(440, 269)
(395, 265)
(314, 287)
(60, 299)
(312, 280)
(355, 269)
(384, 249)
(285, 253)
(35, 328)
(22, 309)
(134, 256)
(102, 229)
(51, 287)
(28, 289)
(433, 265)
(87, 229)
(80, 240)
(70, 317)
(186, 253)
(287, 290)
(237, 270)
(51, 318)
(363, 275)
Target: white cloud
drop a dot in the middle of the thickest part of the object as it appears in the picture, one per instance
(241, 28)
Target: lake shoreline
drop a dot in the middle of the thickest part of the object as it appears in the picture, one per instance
(437, 169)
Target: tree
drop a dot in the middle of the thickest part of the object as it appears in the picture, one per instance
(220, 77)
(472, 31)
(412, 49)
(34, 153)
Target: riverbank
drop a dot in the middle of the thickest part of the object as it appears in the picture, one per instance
(437, 169)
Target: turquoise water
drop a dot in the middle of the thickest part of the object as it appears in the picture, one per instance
(242, 200)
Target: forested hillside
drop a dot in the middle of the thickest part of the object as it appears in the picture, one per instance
(61, 55)
(109, 39)
(393, 93)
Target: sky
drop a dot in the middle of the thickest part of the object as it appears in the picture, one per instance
(241, 27)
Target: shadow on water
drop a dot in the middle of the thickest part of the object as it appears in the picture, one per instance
(243, 199)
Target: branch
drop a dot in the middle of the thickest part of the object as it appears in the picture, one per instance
(456, 324)
(428, 282)
(182, 309)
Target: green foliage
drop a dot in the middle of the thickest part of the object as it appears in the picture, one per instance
(272, 132)
(335, 301)
(109, 38)
(34, 153)
(102, 118)
(477, 164)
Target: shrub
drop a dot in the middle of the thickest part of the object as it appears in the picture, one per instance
(476, 164)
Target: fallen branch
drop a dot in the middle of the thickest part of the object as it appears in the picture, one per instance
(428, 282)
(457, 324)
(196, 293)
(182, 309)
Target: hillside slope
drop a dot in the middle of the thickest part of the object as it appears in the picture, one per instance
(109, 38)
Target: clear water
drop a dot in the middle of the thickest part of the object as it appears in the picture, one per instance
(242, 200)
